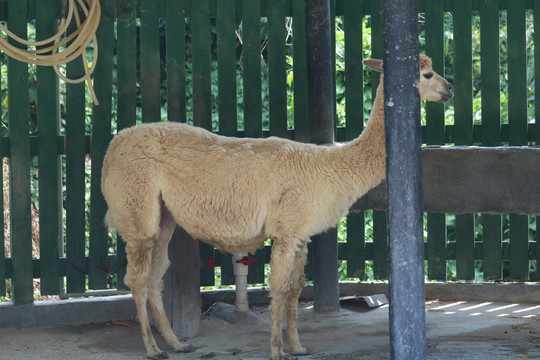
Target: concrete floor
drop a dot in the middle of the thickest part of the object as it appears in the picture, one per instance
(455, 330)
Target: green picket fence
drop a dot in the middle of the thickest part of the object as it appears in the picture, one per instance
(158, 60)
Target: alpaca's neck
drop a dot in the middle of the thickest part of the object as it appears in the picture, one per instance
(366, 155)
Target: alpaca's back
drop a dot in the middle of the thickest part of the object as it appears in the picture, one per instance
(217, 188)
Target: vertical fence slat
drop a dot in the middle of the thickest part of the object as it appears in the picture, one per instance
(202, 110)
(127, 94)
(50, 187)
(200, 29)
(517, 117)
(434, 135)
(277, 72)
(251, 67)
(436, 248)
(536, 14)
(176, 60)
(463, 128)
(354, 72)
(226, 58)
(251, 82)
(380, 244)
(101, 131)
(21, 232)
(300, 81)
(226, 53)
(490, 90)
(150, 61)
(75, 180)
(354, 110)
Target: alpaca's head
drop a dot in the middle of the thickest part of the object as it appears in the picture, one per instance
(431, 86)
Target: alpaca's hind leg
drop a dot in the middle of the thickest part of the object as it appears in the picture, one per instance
(291, 304)
(282, 265)
(160, 263)
(137, 278)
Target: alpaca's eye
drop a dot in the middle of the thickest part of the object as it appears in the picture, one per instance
(428, 75)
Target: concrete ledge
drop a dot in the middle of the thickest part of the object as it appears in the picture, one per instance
(67, 312)
(104, 309)
(460, 180)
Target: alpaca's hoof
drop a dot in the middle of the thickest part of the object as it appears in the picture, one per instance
(163, 355)
(186, 349)
(300, 351)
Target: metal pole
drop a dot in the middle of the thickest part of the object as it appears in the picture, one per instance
(404, 178)
(321, 127)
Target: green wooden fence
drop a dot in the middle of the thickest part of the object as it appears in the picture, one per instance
(156, 61)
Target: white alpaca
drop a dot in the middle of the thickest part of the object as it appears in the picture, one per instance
(234, 194)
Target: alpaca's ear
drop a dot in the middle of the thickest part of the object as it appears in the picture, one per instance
(374, 64)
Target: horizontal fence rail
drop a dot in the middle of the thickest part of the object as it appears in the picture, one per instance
(238, 68)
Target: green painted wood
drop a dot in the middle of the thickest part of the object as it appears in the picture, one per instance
(256, 270)
(250, 64)
(75, 180)
(227, 272)
(150, 61)
(380, 244)
(435, 134)
(355, 253)
(126, 48)
(354, 71)
(277, 73)
(354, 110)
(536, 38)
(492, 247)
(517, 118)
(176, 60)
(519, 247)
(436, 246)
(101, 131)
(202, 110)
(251, 68)
(20, 217)
(490, 82)
(226, 54)
(50, 187)
(202, 95)
(465, 247)
(463, 105)
(300, 80)
(465, 237)
(536, 14)
(126, 72)
(517, 74)
(491, 127)
(435, 49)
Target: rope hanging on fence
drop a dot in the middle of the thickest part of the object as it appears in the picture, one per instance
(81, 38)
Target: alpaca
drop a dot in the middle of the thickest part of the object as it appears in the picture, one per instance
(234, 193)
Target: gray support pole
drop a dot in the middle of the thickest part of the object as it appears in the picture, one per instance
(404, 178)
(321, 121)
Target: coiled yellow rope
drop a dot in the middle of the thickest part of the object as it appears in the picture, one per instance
(80, 39)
